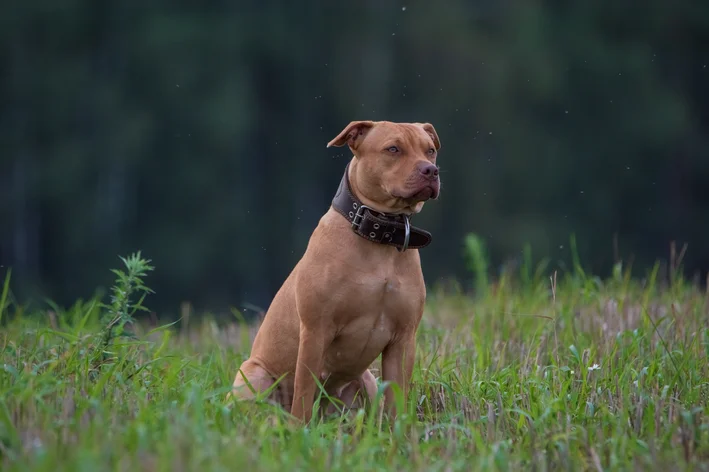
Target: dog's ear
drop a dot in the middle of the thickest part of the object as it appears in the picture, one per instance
(428, 128)
(352, 135)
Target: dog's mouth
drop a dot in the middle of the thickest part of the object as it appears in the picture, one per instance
(429, 191)
(424, 194)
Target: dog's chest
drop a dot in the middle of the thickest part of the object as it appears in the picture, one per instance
(375, 315)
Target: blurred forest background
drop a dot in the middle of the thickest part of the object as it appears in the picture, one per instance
(196, 132)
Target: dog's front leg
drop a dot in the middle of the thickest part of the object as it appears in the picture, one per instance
(311, 350)
(397, 367)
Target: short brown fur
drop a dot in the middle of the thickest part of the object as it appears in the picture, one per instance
(348, 300)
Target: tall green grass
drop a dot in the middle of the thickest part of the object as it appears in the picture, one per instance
(536, 371)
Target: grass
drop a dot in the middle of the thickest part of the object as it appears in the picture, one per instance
(532, 373)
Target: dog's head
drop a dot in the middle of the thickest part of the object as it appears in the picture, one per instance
(394, 169)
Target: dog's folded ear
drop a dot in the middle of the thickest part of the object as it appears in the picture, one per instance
(352, 135)
(428, 128)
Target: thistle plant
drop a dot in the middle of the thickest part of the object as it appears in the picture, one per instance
(128, 284)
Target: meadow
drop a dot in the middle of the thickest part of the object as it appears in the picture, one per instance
(533, 370)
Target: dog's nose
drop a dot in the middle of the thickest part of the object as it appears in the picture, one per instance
(429, 171)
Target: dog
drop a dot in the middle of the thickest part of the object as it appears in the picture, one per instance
(358, 291)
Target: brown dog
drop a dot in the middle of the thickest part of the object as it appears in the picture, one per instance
(358, 290)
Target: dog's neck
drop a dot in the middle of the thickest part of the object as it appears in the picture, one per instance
(376, 226)
(359, 194)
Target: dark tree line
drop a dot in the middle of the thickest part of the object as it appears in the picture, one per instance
(196, 133)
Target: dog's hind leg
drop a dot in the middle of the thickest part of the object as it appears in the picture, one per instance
(251, 380)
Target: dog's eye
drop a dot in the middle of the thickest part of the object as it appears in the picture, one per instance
(393, 149)
(431, 152)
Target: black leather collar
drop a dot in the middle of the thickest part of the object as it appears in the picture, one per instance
(383, 228)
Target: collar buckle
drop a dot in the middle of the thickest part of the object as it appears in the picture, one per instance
(359, 216)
